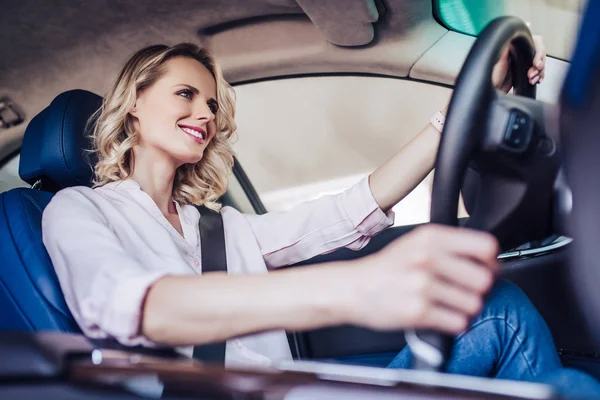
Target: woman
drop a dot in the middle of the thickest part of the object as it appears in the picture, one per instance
(127, 252)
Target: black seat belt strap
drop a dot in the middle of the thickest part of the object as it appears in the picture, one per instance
(214, 259)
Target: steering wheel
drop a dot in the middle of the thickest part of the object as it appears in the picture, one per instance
(495, 147)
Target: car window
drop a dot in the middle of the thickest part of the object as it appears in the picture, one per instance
(302, 138)
(415, 207)
(9, 175)
(555, 20)
(236, 193)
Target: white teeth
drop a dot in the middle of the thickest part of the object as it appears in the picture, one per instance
(193, 132)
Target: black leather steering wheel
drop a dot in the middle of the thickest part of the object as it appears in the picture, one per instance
(493, 146)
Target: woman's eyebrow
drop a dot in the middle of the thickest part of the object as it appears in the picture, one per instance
(193, 89)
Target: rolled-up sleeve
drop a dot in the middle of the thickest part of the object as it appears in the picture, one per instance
(348, 219)
(104, 286)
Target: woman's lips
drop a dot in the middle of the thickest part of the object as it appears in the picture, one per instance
(198, 134)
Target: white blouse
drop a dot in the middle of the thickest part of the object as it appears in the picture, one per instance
(109, 244)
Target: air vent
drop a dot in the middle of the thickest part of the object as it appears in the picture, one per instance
(10, 115)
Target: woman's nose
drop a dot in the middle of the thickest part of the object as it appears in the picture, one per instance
(203, 112)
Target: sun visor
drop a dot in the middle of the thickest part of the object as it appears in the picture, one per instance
(343, 22)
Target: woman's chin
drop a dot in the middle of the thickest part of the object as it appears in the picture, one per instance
(190, 158)
(186, 155)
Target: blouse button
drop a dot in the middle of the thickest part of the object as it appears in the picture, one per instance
(196, 263)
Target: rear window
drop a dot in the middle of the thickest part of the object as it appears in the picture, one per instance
(9, 175)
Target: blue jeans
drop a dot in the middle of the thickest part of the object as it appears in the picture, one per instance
(509, 340)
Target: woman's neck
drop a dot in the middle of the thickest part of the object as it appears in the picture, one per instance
(155, 175)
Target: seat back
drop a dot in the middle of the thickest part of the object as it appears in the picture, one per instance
(52, 158)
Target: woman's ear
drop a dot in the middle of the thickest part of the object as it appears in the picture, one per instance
(133, 110)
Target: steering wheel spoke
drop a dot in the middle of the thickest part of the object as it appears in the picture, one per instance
(516, 125)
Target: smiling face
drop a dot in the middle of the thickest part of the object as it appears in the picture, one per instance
(175, 115)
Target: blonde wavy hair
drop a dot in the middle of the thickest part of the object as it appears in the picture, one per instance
(114, 136)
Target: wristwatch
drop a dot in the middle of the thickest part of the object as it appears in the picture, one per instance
(438, 121)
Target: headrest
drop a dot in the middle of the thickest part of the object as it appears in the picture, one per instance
(55, 141)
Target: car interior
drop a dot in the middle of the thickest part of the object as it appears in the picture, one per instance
(342, 62)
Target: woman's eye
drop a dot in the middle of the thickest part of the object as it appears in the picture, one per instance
(214, 107)
(186, 94)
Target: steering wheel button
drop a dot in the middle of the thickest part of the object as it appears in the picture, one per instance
(518, 131)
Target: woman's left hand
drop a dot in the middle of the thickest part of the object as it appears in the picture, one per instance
(502, 75)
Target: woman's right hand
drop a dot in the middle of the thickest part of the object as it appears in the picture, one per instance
(433, 277)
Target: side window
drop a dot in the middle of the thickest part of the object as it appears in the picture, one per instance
(237, 196)
(9, 175)
(301, 138)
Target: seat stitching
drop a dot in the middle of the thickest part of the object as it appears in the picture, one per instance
(61, 136)
(16, 304)
(33, 202)
(18, 255)
(31, 230)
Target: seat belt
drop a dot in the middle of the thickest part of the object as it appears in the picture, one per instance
(214, 259)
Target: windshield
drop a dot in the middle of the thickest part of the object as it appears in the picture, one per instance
(555, 20)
